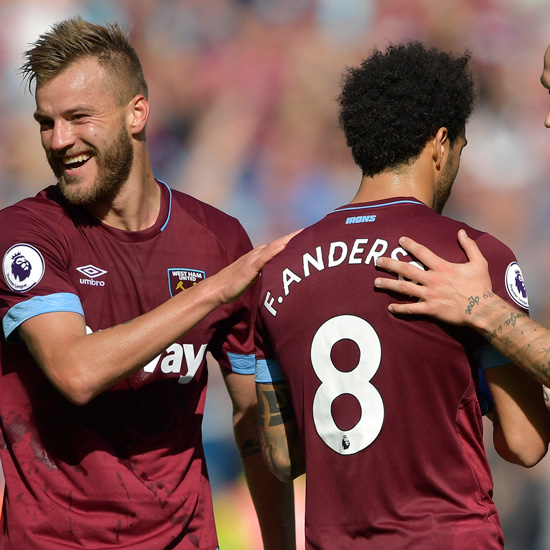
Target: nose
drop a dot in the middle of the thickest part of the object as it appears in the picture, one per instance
(62, 136)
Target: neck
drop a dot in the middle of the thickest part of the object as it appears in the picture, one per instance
(137, 204)
(413, 180)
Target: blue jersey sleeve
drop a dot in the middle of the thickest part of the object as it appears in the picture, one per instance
(37, 305)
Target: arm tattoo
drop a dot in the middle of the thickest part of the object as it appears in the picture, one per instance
(473, 301)
(281, 430)
(512, 321)
(250, 447)
(540, 371)
(276, 406)
(513, 318)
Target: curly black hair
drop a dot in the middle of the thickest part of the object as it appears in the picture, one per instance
(396, 101)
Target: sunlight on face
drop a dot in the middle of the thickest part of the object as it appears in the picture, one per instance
(83, 132)
(114, 162)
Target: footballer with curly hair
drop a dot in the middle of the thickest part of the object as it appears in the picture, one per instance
(384, 414)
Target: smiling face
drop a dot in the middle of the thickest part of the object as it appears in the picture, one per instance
(84, 133)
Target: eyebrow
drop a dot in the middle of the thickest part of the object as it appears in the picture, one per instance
(39, 115)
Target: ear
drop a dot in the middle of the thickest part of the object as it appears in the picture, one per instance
(440, 146)
(138, 114)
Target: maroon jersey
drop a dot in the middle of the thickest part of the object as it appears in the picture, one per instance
(126, 470)
(386, 407)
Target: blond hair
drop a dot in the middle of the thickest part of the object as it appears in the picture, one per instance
(74, 39)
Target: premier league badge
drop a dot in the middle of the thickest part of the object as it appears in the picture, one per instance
(181, 278)
(516, 286)
(23, 267)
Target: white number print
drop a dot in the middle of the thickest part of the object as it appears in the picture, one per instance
(355, 382)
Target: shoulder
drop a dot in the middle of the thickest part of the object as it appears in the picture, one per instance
(202, 212)
(44, 208)
(42, 222)
(504, 269)
(489, 245)
(440, 234)
(210, 222)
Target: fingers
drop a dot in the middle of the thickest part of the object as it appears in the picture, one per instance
(288, 237)
(402, 287)
(405, 269)
(417, 308)
(238, 276)
(470, 247)
(425, 255)
(267, 251)
(281, 242)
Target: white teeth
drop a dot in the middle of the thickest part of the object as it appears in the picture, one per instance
(79, 158)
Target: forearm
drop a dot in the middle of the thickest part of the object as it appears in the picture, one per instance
(524, 341)
(520, 424)
(281, 446)
(83, 365)
(273, 499)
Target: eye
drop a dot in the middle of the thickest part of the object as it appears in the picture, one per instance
(79, 116)
(45, 124)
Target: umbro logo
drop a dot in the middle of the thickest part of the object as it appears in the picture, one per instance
(91, 272)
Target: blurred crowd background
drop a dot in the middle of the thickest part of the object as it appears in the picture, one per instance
(243, 116)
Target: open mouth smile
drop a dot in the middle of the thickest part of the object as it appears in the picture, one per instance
(71, 163)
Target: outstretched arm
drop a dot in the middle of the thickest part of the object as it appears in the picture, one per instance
(82, 365)
(461, 294)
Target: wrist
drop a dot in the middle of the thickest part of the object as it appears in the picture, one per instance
(484, 310)
(212, 291)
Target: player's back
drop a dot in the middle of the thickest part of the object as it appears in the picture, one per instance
(387, 408)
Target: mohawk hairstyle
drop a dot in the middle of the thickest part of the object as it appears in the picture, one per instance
(74, 39)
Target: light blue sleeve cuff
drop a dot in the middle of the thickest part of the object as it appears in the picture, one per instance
(242, 364)
(488, 357)
(21, 312)
(268, 371)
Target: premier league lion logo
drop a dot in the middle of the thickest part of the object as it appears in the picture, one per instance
(520, 285)
(23, 267)
(20, 267)
(515, 285)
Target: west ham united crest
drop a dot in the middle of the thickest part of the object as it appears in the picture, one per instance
(23, 267)
(181, 278)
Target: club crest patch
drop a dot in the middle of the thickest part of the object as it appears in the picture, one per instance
(23, 267)
(181, 278)
(515, 285)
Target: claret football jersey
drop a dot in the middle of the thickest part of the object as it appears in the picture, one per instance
(126, 470)
(386, 406)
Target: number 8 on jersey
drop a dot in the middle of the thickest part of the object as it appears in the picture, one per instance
(355, 382)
